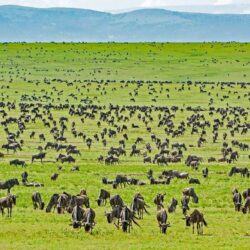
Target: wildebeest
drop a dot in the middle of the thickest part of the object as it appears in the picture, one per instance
(39, 156)
(114, 214)
(17, 162)
(116, 200)
(79, 200)
(237, 200)
(190, 192)
(63, 202)
(77, 216)
(198, 218)
(194, 181)
(121, 180)
(205, 172)
(235, 170)
(7, 202)
(89, 219)
(24, 176)
(52, 203)
(8, 184)
(37, 199)
(138, 205)
(173, 205)
(127, 218)
(184, 204)
(158, 200)
(246, 193)
(246, 206)
(54, 176)
(103, 196)
(162, 218)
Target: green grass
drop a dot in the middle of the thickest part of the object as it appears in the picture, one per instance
(32, 66)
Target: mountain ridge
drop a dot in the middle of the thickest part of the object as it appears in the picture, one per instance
(29, 24)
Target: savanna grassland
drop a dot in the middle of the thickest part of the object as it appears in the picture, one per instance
(56, 77)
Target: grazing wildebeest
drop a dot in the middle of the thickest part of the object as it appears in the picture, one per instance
(17, 162)
(158, 200)
(235, 170)
(77, 216)
(184, 204)
(24, 176)
(237, 200)
(127, 217)
(190, 192)
(198, 218)
(37, 199)
(246, 193)
(138, 205)
(103, 196)
(89, 219)
(114, 214)
(7, 202)
(54, 177)
(52, 203)
(205, 172)
(162, 218)
(8, 184)
(116, 200)
(121, 180)
(39, 156)
(173, 205)
(63, 202)
(79, 200)
(246, 206)
(194, 181)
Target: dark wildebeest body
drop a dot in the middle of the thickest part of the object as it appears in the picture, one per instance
(237, 200)
(173, 205)
(7, 202)
(78, 200)
(246, 205)
(162, 218)
(89, 219)
(190, 192)
(194, 181)
(24, 176)
(37, 199)
(127, 217)
(235, 170)
(138, 205)
(205, 172)
(114, 214)
(53, 203)
(17, 162)
(198, 218)
(158, 200)
(184, 204)
(77, 216)
(39, 156)
(103, 196)
(63, 202)
(116, 200)
(8, 184)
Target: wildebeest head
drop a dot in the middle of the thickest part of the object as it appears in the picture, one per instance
(164, 227)
(244, 210)
(109, 217)
(188, 221)
(42, 206)
(195, 199)
(87, 227)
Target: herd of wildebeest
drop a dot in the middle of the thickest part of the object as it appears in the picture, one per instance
(160, 144)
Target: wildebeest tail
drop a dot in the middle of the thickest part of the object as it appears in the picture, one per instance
(205, 223)
(146, 211)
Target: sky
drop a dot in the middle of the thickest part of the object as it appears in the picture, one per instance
(112, 5)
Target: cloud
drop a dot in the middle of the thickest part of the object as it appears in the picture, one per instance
(224, 2)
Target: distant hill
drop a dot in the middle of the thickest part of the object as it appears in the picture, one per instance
(145, 25)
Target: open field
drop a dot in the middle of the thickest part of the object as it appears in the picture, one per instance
(52, 79)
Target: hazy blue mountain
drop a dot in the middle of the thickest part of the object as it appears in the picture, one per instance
(65, 24)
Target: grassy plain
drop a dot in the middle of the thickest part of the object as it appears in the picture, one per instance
(36, 70)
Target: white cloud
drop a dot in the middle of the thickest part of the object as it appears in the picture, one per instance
(224, 2)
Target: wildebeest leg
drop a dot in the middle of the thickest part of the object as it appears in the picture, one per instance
(193, 228)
